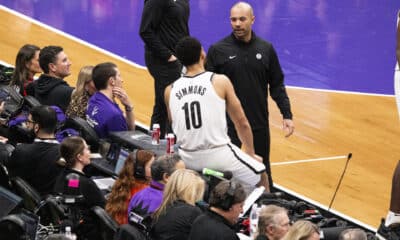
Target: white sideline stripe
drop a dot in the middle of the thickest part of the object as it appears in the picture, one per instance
(5, 64)
(309, 160)
(341, 91)
(71, 37)
(322, 206)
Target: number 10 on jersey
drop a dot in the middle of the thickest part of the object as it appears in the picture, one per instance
(192, 115)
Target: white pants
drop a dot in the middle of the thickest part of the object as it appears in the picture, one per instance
(244, 168)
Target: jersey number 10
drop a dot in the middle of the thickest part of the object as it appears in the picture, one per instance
(192, 115)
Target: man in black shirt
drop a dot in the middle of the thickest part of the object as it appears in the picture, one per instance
(226, 203)
(51, 89)
(36, 162)
(252, 65)
(163, 24)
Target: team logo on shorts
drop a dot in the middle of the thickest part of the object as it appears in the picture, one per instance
(258, 56)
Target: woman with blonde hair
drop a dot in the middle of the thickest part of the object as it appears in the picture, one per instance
(81, 94)
(174, 218)
(302, 230)
(135, 175)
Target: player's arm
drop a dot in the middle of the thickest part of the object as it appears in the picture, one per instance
(167, 92)
(225, 90)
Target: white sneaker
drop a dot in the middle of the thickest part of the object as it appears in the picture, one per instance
(392, 218)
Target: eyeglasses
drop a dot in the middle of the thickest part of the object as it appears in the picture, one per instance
(30, 121)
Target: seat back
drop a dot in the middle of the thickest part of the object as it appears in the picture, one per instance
(30, 197)
(85, 131)
(4, 177)
(129, 232)
(8, 202)
(106, 225)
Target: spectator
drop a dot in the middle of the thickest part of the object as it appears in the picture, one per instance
(302, 230)
(50, 88)
(146, 201)
(226, 203)
(103, 113)
(174, 218)
(353, 234)
(36, 162)
(76, 154)
(26, 66)
(273, 223)
(134, 176)
(80, 96)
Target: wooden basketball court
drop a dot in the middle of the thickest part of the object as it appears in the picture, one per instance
(329, 125)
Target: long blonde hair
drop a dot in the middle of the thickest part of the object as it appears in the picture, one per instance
(185, 185)
(84, 77)
(301, 230)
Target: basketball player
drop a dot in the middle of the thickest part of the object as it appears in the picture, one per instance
(197, 104)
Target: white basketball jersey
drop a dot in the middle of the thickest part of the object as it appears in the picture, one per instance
(198, 113)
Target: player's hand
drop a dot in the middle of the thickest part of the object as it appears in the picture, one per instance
(288, 127)
(172, 58)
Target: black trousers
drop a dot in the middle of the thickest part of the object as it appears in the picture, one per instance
(164, 73)
(261, 139)
(395, 196)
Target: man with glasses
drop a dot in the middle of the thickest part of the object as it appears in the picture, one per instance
(226, 204)
(36, 162)
(103, 113)
(273, 223)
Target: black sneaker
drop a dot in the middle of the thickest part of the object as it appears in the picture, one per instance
(387, 233)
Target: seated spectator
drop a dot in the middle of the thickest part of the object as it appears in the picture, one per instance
(81, 94)
(353, 234)
(36, 162)
(134, 176)
(76, 154)
(174, 218)
(149, 199)
(50, 88)
(103, 113)
(302, 230)
(226, 203)
(273, 223)
(26, 66)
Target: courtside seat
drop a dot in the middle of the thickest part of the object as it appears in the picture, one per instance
(106, 226)
(85, 131)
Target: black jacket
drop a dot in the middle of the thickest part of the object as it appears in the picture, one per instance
(36, 164)
(252, 67)
(92, 194)
(163, 24)
(176, 222)
(51, 91)
(212, 226)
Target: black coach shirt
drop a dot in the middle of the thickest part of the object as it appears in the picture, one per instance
(252, 67)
